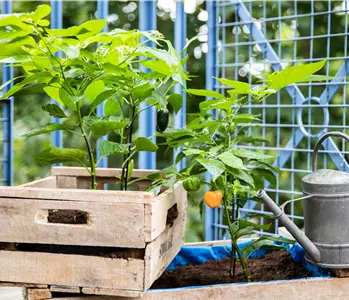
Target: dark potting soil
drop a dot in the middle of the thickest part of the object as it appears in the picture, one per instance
(109, 252)
(273, 266)
(62, 216)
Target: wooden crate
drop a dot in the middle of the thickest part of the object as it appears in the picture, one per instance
(133, 226)
(301, 289)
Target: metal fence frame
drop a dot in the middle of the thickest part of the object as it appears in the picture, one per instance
(216, 65)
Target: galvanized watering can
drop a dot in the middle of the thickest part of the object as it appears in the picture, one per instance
(326, 214)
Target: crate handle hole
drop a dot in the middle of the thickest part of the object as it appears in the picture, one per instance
(62, 216)
(172, 214)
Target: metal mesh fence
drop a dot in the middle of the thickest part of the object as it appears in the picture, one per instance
(254, 37)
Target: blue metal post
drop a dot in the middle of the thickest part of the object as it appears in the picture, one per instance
(7, 107)
(102, 13)
(147, 118)
(211, 60)
(56, 23)
(180, 41)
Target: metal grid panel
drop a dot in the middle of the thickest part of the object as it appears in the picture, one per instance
(253, 37)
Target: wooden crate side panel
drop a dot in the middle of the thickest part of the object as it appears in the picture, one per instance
(109, 292)
(308, 289)
(76, 195)
(110, 224)
(47, 182)
(160, 252)
(156, 212)
(71, 270)
(38, 294)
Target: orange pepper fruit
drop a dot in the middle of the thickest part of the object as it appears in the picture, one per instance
(213, 199)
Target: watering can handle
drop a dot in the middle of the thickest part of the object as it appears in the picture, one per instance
(319, 142)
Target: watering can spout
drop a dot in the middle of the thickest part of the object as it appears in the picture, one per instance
(298, 234)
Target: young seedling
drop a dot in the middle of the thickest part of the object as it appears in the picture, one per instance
(95, 67)
(212, 142)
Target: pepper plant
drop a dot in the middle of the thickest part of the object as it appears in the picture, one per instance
(95, 67)
(213, 140)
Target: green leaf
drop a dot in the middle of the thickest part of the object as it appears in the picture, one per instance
(65, 98)
(158, 66)
(145, 144)
(94, 89)
(258, 181)
(54, 155)
(54, 110)
(277, 239)
(5, 84)
(231, 160)
(142, 90)
(243, 153)
(266, 174)
(70, 51)
(244, 231)
(107, 148)
(245, 118)
(260, 244)
(179, 157)
(240, 88)
(101, 126)
(41, 62)
(214, 167)
(318, 78)
(242, 175)
(101, 98)
(176, 101)
(215, 104)
(53, 92)
(82, 32)
(265, 165)
(293, 74)
(111, 107)
(259, 215)
(45, 129)
(205, 93)
(193, 151)
(244, 223)
(41, 12)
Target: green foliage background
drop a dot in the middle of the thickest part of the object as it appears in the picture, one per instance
(125, 15)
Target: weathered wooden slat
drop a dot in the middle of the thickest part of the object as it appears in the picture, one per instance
(76, 195)
(71, 270)
(38, 294)
(109, 224)
(47, 182)
(65, 289)
(305, 289)
(110, 292)
(159, 253)
(28, 285)
(156, 212)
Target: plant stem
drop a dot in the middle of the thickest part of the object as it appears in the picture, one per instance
(89, 149)
(124, 172)
(234, 242)
(130, 142)
(233, 250)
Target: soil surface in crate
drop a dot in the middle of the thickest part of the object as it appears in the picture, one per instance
(61, 216)
(108, 252)
(273, 266)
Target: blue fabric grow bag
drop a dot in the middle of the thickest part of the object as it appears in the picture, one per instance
(196, 255)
